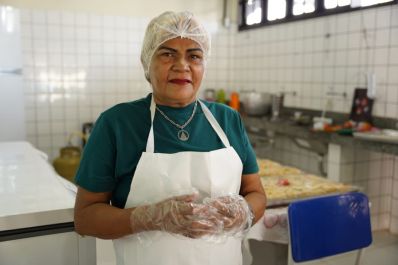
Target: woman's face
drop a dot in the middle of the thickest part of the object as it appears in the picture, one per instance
(176, 72)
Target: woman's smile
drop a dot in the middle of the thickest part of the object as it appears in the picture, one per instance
(181, 82)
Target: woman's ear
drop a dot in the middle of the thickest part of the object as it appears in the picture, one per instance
(147, 78)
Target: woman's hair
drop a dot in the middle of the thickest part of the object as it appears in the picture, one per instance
(170, 25)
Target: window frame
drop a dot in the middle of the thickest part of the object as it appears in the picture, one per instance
(319, 12)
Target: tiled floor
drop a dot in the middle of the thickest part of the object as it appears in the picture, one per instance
(383, 251)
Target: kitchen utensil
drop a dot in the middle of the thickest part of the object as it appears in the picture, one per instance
(256, 103)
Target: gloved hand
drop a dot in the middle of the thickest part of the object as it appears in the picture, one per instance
(234, 212)
(177, 215)
(275, 217)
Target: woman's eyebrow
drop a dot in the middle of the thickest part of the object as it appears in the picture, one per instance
(167, 48)
(195, 50)
(174, 50)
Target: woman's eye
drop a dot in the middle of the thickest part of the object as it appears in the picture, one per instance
(196, 57)
(167, 54)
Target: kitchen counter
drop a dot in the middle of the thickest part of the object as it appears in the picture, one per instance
(285, 127)
(36, 211)
(31, 193)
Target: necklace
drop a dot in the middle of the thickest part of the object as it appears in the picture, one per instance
(182, 134)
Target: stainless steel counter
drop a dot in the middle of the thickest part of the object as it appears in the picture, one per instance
(260, 126)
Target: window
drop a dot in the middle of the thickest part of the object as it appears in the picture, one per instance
(255, 13)
(276, 9)
(302, 6)
(330, 4)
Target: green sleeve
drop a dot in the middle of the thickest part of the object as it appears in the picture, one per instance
(250, 162)
(96, 172)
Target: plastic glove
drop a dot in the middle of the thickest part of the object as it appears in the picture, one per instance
(234, 212)
(177, 215)
(270, 220)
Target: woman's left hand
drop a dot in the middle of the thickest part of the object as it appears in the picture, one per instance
(234, 212)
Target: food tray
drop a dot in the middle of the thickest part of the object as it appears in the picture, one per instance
(300, 186)
(272, 168)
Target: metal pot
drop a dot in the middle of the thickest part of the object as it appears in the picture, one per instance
(256, 103)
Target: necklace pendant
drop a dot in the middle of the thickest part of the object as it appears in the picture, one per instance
(183, 135)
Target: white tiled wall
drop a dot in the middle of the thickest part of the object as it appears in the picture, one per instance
(77, 65)
(374, 173)
(315, 56)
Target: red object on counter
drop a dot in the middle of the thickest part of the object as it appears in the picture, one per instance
(283, 182)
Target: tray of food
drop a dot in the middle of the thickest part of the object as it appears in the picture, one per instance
(282, 190)
(284, 185)
(272, 168)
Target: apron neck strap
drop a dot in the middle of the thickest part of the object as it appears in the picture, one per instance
(213, 122)
(150, 145)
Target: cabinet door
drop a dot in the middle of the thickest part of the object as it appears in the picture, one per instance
(56, 249)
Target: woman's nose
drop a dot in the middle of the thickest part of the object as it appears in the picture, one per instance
(181, 64)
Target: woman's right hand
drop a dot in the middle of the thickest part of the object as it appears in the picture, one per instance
(179, 215)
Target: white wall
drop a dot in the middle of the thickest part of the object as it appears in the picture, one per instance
(77, 64)
(314, 56)
(207, 9)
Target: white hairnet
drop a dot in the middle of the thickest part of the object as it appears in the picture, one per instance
(170, 25)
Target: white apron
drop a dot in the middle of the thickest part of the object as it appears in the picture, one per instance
(160, 176)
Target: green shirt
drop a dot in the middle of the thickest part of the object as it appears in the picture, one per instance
(120, 135)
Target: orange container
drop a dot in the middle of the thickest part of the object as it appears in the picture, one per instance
(234, 101)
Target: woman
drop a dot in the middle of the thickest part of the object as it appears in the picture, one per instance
(173, 180)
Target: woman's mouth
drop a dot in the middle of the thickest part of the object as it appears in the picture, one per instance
(180, 81)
